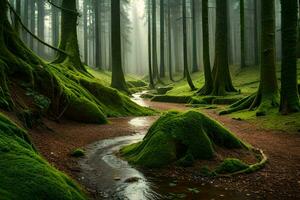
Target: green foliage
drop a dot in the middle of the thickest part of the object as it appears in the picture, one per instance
(24, 174)
(181, 137)
(231, 165)
(78, 153)
(41, 101)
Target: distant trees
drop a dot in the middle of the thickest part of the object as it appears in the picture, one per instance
(118, 79)
(289, 88)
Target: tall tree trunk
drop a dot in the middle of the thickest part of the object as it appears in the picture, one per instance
(256, 49)
(18, 11)
(98, 54)
(151, 82)
(85, 32)
(55, 23)
(41, 26)
(68, 36)
(32, 22)
(221, 73)
(170, 41)
(289, 86)
(208, 86)
(185, 56)
(242, 27)
(26, 20)
(195, 66)
(267, 96)
(162, 39)
(118, 79)
(298, 40)
(154, 41)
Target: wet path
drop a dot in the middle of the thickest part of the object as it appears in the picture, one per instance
(109, 177)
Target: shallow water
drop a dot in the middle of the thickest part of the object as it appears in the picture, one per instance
(110, 177)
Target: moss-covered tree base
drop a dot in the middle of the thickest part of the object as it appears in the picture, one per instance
(187, 138)
(262, 103)
(24, 174)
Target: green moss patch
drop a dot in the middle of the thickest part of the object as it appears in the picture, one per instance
(78, 153)
(231, 165)
(24, 174)
(182, 138)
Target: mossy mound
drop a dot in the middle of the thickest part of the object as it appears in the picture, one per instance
(182, 138)
(24, 174)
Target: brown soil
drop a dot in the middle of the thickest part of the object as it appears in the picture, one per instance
(280, 179)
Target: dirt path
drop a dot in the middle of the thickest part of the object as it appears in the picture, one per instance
(280, 179)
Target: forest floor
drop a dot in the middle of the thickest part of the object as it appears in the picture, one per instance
(280, 179)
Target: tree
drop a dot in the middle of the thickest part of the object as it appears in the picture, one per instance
(85, 32)
(185, 56)
(162, 39)
(154, 42)
(68, 36)
(208, 86)
(151, 82)
(267, 95)
(289, 89)
(98, 55)
(194, 31)
(170, 41)
(221, 73)
(118, 79)
(242, 27)
(41, 27)
(55, 24)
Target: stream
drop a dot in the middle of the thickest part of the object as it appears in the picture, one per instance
(109, 177)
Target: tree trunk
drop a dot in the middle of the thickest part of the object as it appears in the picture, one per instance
(118, 79)
(41, 27)
(32, 22)
(208, 86)
(267, 96)
(195, 67)
(154, 41)
(221, 73)
(151, 82)
(185, 56)
(289, 85)
(55, 24)
(256, 49)
(162, 39)
(85, 32)
(68, 37)
(242, 27)
(98, 55)
(170, 41)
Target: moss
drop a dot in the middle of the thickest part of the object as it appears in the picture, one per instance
(231, 165)
(172, 99)
(78, 153)
(180, 137)
(163, 90)
(24, 174)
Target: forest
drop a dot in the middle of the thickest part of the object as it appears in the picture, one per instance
(149, 99)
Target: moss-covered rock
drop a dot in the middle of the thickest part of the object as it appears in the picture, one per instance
(182, 138)
(24, 174)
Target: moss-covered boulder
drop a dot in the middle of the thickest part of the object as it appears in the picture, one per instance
(181, 138)
(24, 175)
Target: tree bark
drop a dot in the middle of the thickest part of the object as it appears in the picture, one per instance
(154, 41)
(185, 56)
(195, 66)
(242, 27)
(162, 39)
(118, 79)
(289, 85)
(208, 86)
(221, 73)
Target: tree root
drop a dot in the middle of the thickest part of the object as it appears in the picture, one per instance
(257, 101)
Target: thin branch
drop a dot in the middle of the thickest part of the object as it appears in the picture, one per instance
(63, 9)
